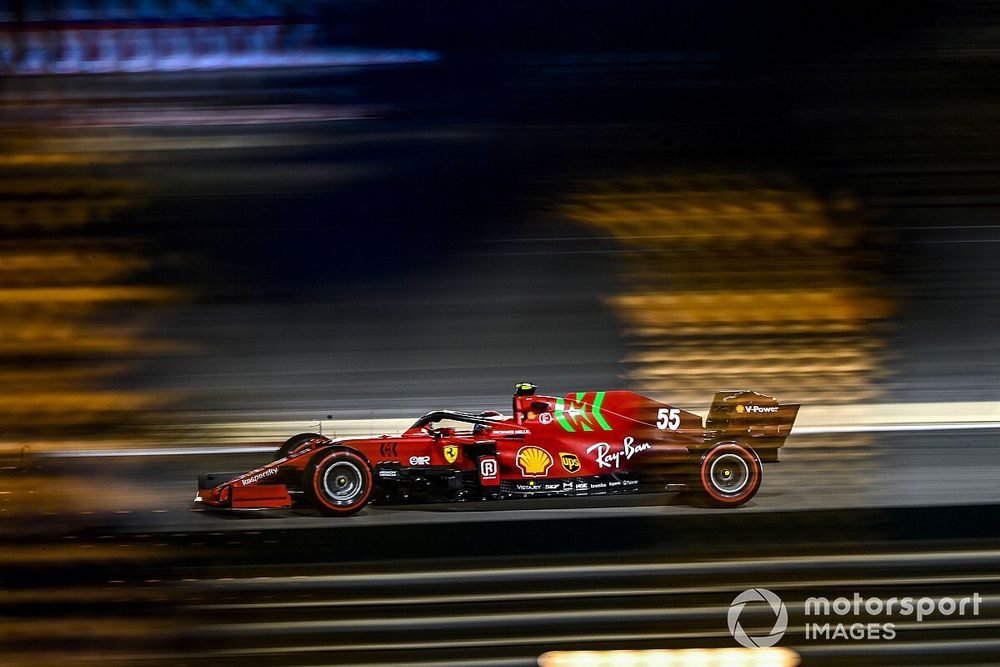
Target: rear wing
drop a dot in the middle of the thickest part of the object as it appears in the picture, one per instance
(748, 414)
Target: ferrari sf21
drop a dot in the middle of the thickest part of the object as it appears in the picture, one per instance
(582, 444)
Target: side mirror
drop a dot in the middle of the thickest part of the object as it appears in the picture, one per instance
(539, 406)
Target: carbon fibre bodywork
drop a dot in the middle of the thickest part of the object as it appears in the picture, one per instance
(584, 443)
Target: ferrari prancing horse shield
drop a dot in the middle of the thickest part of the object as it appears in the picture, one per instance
(450, 453)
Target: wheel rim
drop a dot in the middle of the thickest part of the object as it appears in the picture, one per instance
(343, 483)
(729, 474)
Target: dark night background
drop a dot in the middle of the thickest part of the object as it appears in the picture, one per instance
(224, 221)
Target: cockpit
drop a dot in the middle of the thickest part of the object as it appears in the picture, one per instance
(447, 423)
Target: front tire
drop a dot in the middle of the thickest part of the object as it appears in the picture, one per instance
(338, 483)
(729, 474)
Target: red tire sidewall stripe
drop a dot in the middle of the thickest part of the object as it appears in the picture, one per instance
(362, 465)
(744, 454)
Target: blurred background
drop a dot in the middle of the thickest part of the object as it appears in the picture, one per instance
(225, 222)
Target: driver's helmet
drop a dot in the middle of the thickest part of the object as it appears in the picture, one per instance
(524, 389)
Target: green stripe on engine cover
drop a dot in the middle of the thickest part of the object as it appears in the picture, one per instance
(566, 419)
(560, 417)
(598, 399)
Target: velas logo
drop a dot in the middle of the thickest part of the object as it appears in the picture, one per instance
(757, 640)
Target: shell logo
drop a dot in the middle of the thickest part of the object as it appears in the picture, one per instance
(534, 461)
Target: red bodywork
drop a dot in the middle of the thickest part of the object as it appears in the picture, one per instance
(599, 442)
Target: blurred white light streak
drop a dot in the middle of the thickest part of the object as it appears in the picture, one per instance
(249, 437)
(692, 657)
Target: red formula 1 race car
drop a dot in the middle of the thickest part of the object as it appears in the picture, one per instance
(587, 443)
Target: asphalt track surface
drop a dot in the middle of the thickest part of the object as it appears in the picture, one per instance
(493, 588)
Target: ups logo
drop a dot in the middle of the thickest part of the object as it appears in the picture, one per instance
(569, 461)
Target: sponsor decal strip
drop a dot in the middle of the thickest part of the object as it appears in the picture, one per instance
(570, 462)
(533, 461)
(489, 468)
(253, 479)
(605, 457)
(586, 486)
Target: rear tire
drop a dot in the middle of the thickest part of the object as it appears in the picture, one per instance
(338, 482)
(293, 444)
(728, 475)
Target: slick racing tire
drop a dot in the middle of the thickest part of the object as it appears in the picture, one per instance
(729, 474)
(338, 483)
(294, 443)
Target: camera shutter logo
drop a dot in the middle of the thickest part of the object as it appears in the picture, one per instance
(780, 620)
